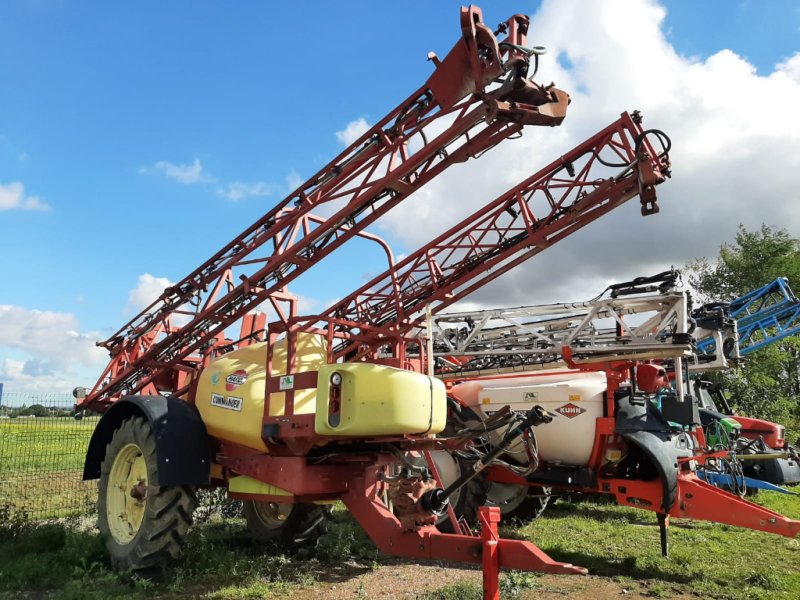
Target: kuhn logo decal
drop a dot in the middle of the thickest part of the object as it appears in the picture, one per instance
(235, 379)
(230, 402)
(570, 410)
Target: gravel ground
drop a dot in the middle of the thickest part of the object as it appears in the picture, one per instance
(405, 580)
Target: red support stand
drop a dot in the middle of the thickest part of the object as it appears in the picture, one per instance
(489, 517)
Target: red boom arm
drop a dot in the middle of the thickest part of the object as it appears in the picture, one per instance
(156, 350)
(606, 170)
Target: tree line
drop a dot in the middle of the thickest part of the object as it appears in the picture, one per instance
(767, 384)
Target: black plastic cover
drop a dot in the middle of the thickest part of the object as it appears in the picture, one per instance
(183, 448)
(641, 425)
(683, 413)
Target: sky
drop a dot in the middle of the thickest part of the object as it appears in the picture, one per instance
(136, 139)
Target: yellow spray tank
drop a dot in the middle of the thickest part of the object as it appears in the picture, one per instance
(351, 399)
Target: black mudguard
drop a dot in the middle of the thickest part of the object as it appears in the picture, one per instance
(183, 448)
(640, 424)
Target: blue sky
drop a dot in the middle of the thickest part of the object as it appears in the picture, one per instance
(137, 138)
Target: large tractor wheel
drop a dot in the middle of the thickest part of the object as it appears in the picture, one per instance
(467, 500)
(144, 524)
(292, 525)
(518, 502)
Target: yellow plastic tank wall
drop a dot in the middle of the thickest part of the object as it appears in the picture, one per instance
(230, 391)
(377, 400)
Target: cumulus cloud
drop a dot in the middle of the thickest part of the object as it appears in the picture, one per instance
(734, 135)
(15, 374)
(148, 288)
(238, 190)
(52, 348)
(52, 338)
(12, 196)
(293, 180)
(790, 68)
(353, 131)
(186, 174)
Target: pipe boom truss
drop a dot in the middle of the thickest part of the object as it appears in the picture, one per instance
(454, 116)
(613, 166)
(531, 336)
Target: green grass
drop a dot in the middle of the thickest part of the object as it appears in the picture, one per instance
(461, 590)
(43, 444)
(41, 465)
(221, 561)
(705, 558)
(513, 585)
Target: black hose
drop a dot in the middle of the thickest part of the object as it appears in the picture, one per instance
(663, 138)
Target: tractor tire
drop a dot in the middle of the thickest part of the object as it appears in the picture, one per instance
(470, 497)
(144, 525)
(291, 525)
(467, 500)
(531, 507)
(518, 502)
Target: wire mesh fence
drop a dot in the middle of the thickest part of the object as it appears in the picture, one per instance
(42, 447)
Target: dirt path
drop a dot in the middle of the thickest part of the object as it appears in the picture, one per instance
(404, 580)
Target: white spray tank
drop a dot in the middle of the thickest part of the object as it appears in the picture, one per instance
(575, 397)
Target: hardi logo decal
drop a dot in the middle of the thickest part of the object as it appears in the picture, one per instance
(570, 410)
(235, 379)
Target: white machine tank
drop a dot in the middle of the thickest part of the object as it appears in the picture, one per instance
(574, 397)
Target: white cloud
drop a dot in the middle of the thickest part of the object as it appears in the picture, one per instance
(734, 137)
(49, 336)
(790, 68)
(17, 378)
(353, 131)
(185, 174)
(238, 190)
(12, 196)
(53, 348)
(293, 181)
(148, 288)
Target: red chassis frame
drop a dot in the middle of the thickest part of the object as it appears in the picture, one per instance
(358, 484)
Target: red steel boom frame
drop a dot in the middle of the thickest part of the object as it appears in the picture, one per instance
(160, 348)
(375, 323)
(574, 191)
(564, 196)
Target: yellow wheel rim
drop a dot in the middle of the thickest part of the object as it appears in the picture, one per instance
(272, 514)
(126, 496)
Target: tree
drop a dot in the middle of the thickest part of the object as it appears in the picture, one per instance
(756, 258)
(768, 385)
(37, 410)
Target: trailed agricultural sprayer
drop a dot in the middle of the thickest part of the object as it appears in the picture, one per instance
(338, 406)
(619, 427)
